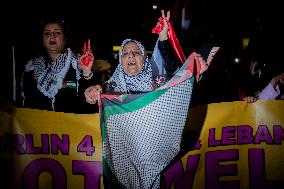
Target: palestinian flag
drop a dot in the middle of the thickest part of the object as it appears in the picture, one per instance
(142, 132)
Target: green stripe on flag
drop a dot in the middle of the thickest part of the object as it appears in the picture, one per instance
(134, 105)
(70, 85)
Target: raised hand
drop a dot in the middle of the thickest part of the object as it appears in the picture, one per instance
(165, 30)
(87, 58)
(162, 26)
(163, 35)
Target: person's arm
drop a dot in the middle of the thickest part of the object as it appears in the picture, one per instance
(86, 61)
(171, 63)
(250, 99)
(84, 83)
(269, 92)
(91, 93)
(272, 90)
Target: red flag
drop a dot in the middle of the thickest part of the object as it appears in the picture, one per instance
(172, 37)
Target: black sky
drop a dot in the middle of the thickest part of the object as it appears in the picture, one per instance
(109, 22)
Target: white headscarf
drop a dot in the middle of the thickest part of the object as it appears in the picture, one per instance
(122, 83)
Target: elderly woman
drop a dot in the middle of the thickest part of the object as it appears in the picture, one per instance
(137, 73)
(140, 138)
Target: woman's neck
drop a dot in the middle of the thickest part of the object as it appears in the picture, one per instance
(53, 55)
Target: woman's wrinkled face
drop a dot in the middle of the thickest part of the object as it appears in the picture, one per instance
(53, 38)
(132, 59)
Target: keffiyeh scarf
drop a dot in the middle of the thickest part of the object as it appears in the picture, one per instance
(142, 132)
(122, 83)
(50, 79)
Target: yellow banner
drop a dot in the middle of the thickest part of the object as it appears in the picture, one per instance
(51, 150)
(240, 146)
(225, 145)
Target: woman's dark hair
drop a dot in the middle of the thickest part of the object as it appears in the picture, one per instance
(65, 29)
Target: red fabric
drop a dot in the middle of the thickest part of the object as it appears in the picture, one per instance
(86, 61)
(172, 37)
(198, 68)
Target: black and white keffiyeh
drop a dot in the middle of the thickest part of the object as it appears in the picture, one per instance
(50, 78)
(122, 83)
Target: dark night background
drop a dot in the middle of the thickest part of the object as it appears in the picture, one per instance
(107, 23)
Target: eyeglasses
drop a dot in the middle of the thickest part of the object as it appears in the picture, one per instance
(134, 53)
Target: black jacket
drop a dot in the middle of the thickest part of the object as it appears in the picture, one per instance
(66, 100)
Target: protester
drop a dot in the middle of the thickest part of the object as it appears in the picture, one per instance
(137, 73)
(54, 80)
(142, 127)
(273, 91)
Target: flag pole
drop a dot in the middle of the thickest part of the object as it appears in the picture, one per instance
(14, 74)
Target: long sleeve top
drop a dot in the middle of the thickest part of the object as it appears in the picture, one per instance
(269, 92)
(57, 86)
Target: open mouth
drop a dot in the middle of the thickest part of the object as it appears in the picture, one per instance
(52, 42)
(131, 63)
